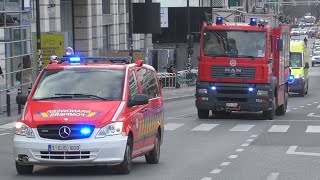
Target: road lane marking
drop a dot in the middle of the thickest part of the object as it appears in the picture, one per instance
(233, 156)
(249, 140)
(302, 106)
(204, 127)
(242, 127)
(179, 116)
(295, 108)
(312, 115)
(245, 144)
(292, 151)
(273, 176)
(254, 136)
(216, 171)
(318, 106)
(239, 150)
(309, 104)
(315, 102)
(206, 178)
(172, 126)
(279, 128)
(8, 126)
(2, 134)
(313, 129)
(225, 164)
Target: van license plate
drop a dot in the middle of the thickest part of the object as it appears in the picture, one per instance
(231, 105)
(63, 148)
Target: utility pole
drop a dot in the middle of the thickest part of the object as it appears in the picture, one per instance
(130, 29)
(38, 36)
(188, 31)
(146, 60)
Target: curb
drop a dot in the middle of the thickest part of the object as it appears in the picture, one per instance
(178, 98)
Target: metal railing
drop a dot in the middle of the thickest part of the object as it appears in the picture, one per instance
(173, 80)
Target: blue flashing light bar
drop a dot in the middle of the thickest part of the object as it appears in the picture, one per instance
(250, 89)
(291, 78)
(213, 88)
(85, 131)
(253, 21)
(74, 59)
(219, 20)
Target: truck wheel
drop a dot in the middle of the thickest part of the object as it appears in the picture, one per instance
(281, 110)
(125, 166)
(269, 115)
(203, 113)
(154, 155)
(24, 169)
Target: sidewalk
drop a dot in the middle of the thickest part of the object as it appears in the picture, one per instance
(168, 95)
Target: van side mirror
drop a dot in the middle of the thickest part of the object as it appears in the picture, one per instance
(21, 99)
(139, 99)
(306, 65)
(279, 44)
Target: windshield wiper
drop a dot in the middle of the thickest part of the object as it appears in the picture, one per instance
(82, 95)
(246, 56)
(54, 97)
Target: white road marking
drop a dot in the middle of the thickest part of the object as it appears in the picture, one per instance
(172, 126)
(301, 106)
(273, 176)
(249, 140)
(225, 163)
(279, 128)
(254, 136)
(313, 129)
(312, 115)
(288, 110)
(315, 102)
(8, 126)
(297, 120)
(216, 171)
(239, 150)
(178, 116)
(292, 150)
(318, 106)
(309, 104)
(242, 127)
(206, 178)
(204, 127)
(295, 108)
(245, 144)
(233, 156)
(2, 134)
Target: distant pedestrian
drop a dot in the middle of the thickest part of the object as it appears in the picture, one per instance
(1, 72)
(26, 79)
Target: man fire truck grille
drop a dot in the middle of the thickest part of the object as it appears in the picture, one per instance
(65, 131)
(233, 72)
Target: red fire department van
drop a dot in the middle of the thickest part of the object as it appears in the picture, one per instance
(243, 67)
(85, 111)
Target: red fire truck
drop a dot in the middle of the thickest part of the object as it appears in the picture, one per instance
(243, 67)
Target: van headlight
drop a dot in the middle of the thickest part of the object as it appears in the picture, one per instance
(22, 129)
(110, 130)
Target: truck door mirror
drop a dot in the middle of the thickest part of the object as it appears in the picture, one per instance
(306, 65)
(279, 44)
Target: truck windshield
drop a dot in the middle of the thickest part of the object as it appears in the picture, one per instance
(295, 59)
(234, 43)
(80, 83)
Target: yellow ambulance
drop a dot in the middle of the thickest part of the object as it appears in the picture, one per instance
(299, 66)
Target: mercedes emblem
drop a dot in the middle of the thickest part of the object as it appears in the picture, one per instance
(64, 132)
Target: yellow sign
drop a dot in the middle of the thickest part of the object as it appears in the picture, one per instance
(51, 44)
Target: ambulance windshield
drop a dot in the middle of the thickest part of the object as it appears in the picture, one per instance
(295, 59)
(80, 83)
(234, 43)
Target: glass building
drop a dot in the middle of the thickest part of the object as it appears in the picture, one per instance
(15, 49)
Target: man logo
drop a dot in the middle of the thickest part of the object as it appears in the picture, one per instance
(233, 62)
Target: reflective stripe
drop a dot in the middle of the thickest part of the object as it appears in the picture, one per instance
(120, 108)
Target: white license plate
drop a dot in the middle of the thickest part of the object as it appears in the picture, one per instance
(63, 148)
(232, 104)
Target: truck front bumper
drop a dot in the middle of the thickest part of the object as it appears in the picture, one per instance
(233, 97)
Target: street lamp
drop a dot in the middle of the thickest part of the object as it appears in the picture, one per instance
(38, 29)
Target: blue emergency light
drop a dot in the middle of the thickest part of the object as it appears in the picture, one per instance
(250, 89)
(77, 60)
(291, 78)
(74, 59)
(85, 131)
(213, 88)
(253, 21)
(219, 20)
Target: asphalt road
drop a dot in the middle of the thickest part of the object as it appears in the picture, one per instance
(241, 147)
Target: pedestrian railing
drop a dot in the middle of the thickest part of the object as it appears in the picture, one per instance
(173, 80)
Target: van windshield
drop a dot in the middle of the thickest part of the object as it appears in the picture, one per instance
(80, 83)
(234, 43)
(295, 59)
